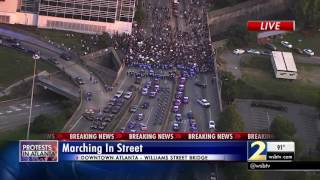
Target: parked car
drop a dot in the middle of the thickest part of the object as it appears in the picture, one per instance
(266, 53)
(308, 52)
(270, 46)
(253, 51)
(203, 102)
(286, 44)
(238, 51)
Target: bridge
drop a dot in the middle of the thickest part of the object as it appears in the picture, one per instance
(58, 86)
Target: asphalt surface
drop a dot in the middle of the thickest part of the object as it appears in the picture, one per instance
(71, 68)
(14, 113)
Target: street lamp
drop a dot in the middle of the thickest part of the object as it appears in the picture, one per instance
(35, 57)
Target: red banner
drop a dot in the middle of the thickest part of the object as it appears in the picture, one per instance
(271, 25)
(101, 136)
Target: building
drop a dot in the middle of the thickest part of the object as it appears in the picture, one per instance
(84, 16)
(283, 65)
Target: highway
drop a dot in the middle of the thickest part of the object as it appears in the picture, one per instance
(71, 68)
(13, 113)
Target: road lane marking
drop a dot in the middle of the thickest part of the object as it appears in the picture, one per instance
(75, 124)
(150, 110)
(15, 108)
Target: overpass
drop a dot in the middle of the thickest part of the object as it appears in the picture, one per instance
(58, 86)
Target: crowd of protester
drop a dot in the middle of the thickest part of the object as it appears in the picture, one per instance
(164, 46)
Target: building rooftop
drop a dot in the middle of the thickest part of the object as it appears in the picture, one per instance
(278, 61)
(284, 61)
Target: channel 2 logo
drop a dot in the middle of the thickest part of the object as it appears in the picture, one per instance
(257, 151)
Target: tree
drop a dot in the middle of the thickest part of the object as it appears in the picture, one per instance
(282, 128)
(104, 41)
(307, 12)
(42, 124)
(139, 15)
(239, 36)
(228, 91)
(230, 120)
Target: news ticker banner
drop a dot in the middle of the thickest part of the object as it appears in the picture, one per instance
(216, 136)
(242, 151)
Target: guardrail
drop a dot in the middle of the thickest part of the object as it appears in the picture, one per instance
(217, 79)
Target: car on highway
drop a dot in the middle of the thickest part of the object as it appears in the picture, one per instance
(145, 105)
(179, 95)
(176, 126)
(212, 124)
(193, 128)
(253, 51)
(238, 51)
(138, 80)
(122, 130)
(286, 44)
(143, 127)
(88, 96)
(131, 124)
(175, 109)
(152, 94)
(128, 95)
(308, 52)
(213, 176)
(115, 109)
(177, 102)
(200, 84)
(178, 117)
(119, 93)
(144, 91)
(203, 102)
(93, 126)
(139, 117)
(133, 109)
(79, 80)
(107, 109)
(185, 100)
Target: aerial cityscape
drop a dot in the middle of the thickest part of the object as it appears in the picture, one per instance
(172, 66)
